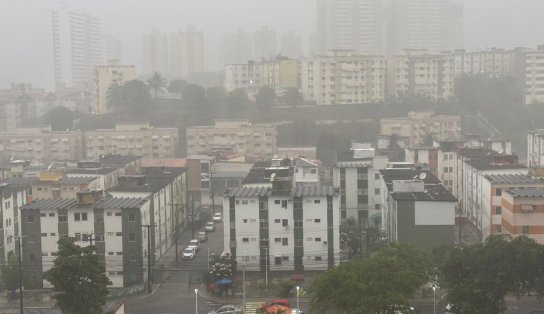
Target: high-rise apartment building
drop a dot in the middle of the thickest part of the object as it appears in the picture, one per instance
(76, 46)
(107, 75)
(176, 55)
(112, 49)
(291, 45)
(235, 48)
(351, 24)
(533, 62)
(265, 43)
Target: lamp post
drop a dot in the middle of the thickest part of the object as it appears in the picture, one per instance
(298, 305)
(434, 299)
(196, 301)
(18, 238)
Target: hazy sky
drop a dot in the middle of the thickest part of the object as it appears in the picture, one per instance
(26, 39)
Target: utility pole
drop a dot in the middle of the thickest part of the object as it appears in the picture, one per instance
(266, 268)
(193, 219)
(20, 275)
(211, 191)
(149, 271)
(244, 284)
(460, 223)
(177, 232)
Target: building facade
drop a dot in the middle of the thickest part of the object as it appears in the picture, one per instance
(534, 76)
(236, 136)
(522, 213)
(535, 148)
(12, 198)
(106, 76)
(423, 126)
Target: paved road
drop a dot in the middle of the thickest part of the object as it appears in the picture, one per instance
(30, 311)
(176, 295)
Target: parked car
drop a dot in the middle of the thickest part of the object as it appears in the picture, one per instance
(227, 309)
(189, 253)
(282, 302)
(202, 236)
(217, 217)
(210, 226)
(194, 243)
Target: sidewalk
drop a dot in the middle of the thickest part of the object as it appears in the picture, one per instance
(169, 257)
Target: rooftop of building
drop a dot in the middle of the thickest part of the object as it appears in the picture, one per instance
(97, 171)
(20, 181)
(526, 192)
(513, 179)
(50, 204)
(303, 162)
(300, 190)
(169, 163)
(67, 203)
(392, 174)
(120, 202)
(76, 180)
(433, 192)
(433, 188)
(477, 152)
(151, 182)
(488, 164)
(108, 160)
(6, 190)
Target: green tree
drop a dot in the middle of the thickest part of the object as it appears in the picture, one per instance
(478, 277)
(78, 276)
(9, 273)
(374, 284)
(129, 96)
(217, 96)
(237, 100)
(222, 267)
(177, 86)
(265, 97)
(194, 96)
(293, 97)
(60, 118)
(156, 82)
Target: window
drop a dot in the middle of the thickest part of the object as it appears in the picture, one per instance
(119, 253)
(309, 239)
(253, 220)
(132, 237)
(245, 240)
(43, 215)
(252, 201)
(498, 192)
(285, 241)
(131, 217)
(277, 240)
(498, 210)
(53, 234)
(119, 234)
(111, 233)
(376, 206)
(313, 171)
(498, 229)
(245, 221)
(317, 258)
(84, 216)
(99, 217)
(284, 204)
(445, 169)
(317, 239)
(377, 191)
(298, 224)
(118, 214)
(317, 201)
(109, 213)
(110, 253)
(285, 258)
(77, 237)
(30, 218)
(44, 234)
(525, 229)
(51, 214)
(245, 202)
(377, 176)
(317, 220)
(99, 238)
(63, 218)
(253, 239)
(285, 222)
(132, 258)
(277, 202)
(277, 260)
(85, 237)
(277, 221)
(77, 216)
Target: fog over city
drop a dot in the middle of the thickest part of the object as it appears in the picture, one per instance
(26, 52)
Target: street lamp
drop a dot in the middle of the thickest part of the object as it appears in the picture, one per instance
(298, 305)
(196, 301)
(434, 299)
(18, 238)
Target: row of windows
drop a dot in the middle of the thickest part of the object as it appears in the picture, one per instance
(82, 216)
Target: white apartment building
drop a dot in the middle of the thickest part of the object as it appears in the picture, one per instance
(535, 148)
(343, 77)
(306, 171)
(494, 62)
(282, 226)
(421, 126)
(238, 136)
(155, 53)
(418, 73)
(246, 76)
(106, 76)
(76, 46)
(112, 49)
(12, 198)
(534, 76)
(356, 175)
(42, 144)
(138, 139)
(114, 225)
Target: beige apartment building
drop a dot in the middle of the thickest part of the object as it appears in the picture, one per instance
(522, 213)
(343, 77)
(139, 139)
(493, 62)
(43, 144)
(109, 75)
(237, 136)
(420, 126)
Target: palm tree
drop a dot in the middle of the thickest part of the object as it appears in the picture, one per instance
(156, 82)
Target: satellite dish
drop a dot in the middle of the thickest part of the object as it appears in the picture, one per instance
(422, 176)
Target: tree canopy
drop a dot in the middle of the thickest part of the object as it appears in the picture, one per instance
(78, 276)
(156, 82)
(131, 95)
(177, 86)
(60, 118)
(237, 100)
(478, 277)
(265, 97)
(194, 96)
(374, 284)
(293, 97)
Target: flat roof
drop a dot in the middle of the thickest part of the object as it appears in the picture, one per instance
(433, 192)
(513, 179)
(488, 164)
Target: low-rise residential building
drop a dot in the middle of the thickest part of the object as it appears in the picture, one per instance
(106, 76)
(107, 169)
(493, 194)
(421, 127)
(115, 226)
(417, 208)
(12, 198)
(522, 213)
(234, 136)
(139, 139)
(356, 176)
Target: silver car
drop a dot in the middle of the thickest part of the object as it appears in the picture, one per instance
(227, 309)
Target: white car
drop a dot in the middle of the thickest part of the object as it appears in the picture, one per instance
(210, 226)
(227, 309)
(189, 253)
(194, 243)
(217, 217)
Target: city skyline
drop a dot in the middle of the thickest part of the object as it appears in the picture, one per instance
(503, 24)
